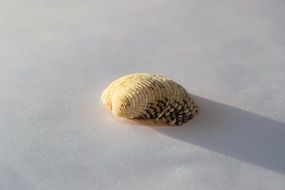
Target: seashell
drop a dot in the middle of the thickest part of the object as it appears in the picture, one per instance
(143, 96)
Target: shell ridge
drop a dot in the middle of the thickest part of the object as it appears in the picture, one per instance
(145, 96)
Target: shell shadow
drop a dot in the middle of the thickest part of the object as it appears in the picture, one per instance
(236, 133)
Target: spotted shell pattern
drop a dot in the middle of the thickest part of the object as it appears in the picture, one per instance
(143, 96)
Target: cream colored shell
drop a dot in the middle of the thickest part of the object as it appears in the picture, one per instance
(143, 96)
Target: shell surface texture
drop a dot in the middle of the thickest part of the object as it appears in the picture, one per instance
(143, 97)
